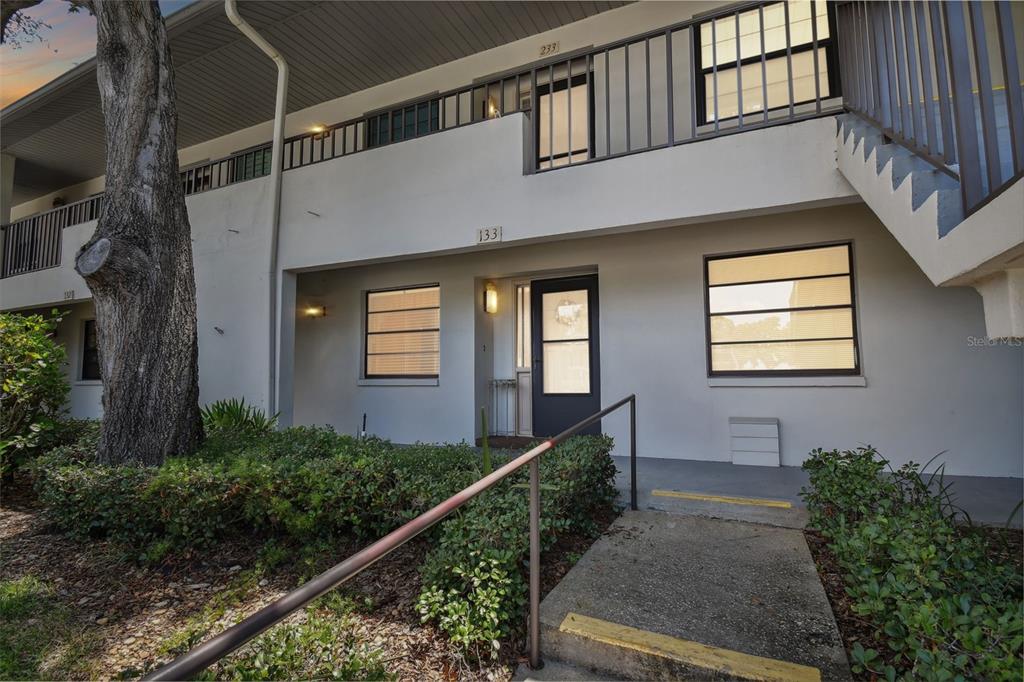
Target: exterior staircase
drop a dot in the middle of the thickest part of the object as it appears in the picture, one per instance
(923, 209)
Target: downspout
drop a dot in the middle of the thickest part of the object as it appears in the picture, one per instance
(276, 157)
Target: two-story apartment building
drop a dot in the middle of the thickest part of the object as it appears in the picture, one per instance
(783, 225)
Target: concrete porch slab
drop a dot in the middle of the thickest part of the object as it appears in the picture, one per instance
(748, 589)
(986, 500)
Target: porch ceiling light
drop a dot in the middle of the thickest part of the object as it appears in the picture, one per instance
(490, 298)
(315, 311)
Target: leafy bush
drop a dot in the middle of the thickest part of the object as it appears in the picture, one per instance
(474, 585)
(317, 648)
(34, 387)
(309, 486)
(925, 582)
(234, 415)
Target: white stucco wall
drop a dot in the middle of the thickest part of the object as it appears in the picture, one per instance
(430, 195)
(230, 246)
(928, 387)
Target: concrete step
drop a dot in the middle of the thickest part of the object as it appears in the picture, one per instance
(663, 596)
(635, 654)
(556, 671)
(771, 512)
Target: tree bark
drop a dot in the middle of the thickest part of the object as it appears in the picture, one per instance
(138, 264)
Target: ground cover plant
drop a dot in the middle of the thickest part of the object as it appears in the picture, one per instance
(936, 598)
(311, 493)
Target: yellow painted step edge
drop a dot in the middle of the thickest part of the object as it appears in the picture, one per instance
(752, 501)
(724, 661)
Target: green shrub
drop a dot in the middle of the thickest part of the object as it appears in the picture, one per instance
(303, 485)
(234, 415)
(474, 585)
(317, 648)
(307, 487)
(33, 387)
(924, 581)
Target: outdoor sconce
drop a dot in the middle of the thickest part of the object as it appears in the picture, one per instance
(490, 298)
(317, 129)
(315, 311)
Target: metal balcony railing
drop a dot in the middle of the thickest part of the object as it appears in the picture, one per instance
(755, 64)
(943, 79)
(34, 243)
(198, 659)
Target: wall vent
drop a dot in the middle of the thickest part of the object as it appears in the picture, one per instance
(754, 441)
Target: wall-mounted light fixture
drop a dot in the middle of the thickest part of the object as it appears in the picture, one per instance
(490, 298)
(317, 128)
(492, 108)
(314, 311)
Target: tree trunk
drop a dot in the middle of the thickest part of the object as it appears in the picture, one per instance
(138, 264)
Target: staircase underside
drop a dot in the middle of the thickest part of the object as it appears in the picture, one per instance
(921, 206)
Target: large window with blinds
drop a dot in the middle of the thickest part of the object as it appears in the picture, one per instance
(403, 333)
(782, 312)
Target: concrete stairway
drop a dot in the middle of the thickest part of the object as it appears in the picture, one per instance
(667, 596)
(922, 207)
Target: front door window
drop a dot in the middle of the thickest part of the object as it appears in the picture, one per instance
(566, 342)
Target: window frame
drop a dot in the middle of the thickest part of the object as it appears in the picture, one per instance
(367, 333)
(700, 72)
(560, 84)
(856, 370)
(82, 351)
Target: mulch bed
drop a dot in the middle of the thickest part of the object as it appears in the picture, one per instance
(1006, 546)
(132, 609)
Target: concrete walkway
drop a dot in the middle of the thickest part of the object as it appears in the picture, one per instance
(665, 596)
(986, 500)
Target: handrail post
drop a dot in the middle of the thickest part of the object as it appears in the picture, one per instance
(535, 662)
(632, 452)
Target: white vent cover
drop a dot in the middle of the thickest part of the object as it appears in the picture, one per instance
(754, 441)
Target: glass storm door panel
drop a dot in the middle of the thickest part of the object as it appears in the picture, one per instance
(566, 367)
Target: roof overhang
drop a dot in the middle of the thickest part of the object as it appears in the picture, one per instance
(224, 83)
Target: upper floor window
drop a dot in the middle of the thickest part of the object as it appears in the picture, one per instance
(403, 333)
(90, 352)
(563, 115)
(718, 59)
(782, 312)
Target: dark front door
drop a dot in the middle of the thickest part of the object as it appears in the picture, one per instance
(566, 356)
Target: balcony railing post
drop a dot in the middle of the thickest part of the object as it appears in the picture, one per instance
(632, 453)
(535, 662)
(963, 105)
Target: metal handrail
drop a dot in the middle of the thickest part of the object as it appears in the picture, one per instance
(211, 651)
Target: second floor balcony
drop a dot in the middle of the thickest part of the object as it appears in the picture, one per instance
(750, 66)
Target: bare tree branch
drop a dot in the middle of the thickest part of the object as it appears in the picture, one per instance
(15, 23)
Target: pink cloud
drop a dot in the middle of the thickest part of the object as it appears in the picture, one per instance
(70, 41)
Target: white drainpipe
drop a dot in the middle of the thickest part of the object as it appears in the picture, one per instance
(277, 152)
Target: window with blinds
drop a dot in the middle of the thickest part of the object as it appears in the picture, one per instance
(782, 312)
(403, 333)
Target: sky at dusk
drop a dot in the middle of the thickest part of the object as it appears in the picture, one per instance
(70, 40)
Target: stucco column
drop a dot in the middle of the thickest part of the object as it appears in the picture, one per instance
(286, 348)
(1002, 295)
